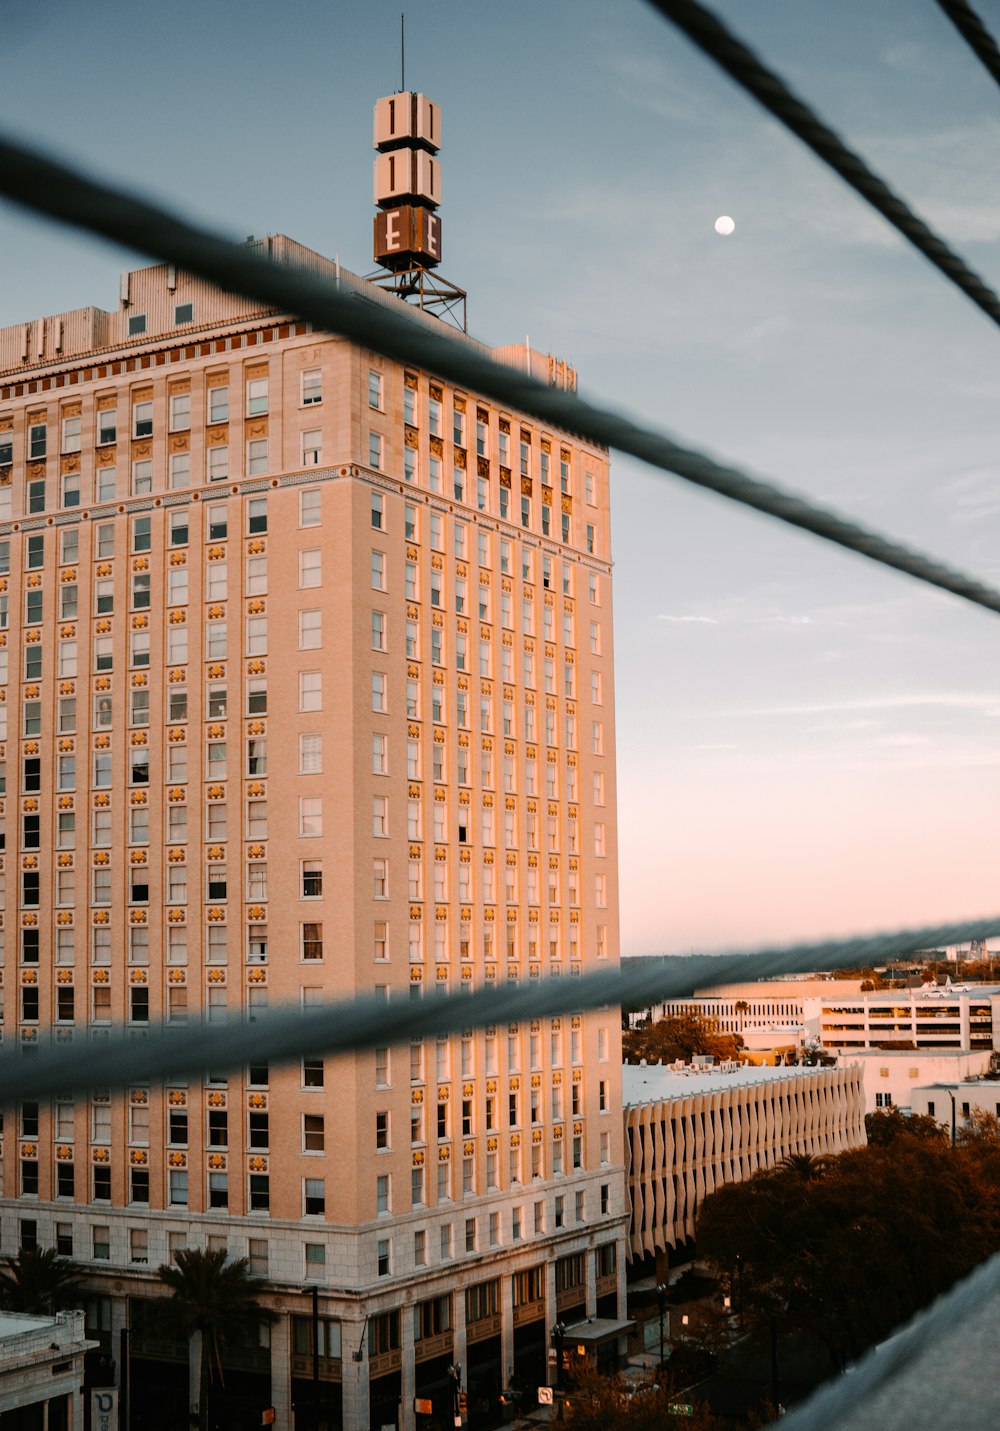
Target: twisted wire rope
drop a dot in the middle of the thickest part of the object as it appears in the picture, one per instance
(40, 183)
(722, 46)
(974, 33)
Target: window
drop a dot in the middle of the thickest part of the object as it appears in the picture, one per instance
(312, 447)
(142, 412)
(313, 1197)
(256, 457)
(71, 489)
(313, 1133)
(379, 699)
(310, 568)
(312, 387)
(256, 516)
(310, 816)
(256, 396)
(218, 404)
(380, 879)
(311, 753)
(375, 450)
(378, 571)
(312, 941)
(217, 463)
(180, 412)
(310, 691)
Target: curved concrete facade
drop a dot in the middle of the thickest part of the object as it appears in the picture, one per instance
(695, 1132)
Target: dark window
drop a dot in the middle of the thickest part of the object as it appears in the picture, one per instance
(139, 1185)
(102, 1183)
(218, 1128)
(139, 1002)
(312, 1073)
(259, 1132)
(260, 1192)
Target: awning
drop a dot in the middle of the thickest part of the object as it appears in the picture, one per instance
(595, 1331)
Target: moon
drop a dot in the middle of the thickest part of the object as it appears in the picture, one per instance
(724, 224)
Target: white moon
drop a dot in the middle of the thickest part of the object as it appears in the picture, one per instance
(724, 224)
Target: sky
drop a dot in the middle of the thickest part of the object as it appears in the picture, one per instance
(807, 745)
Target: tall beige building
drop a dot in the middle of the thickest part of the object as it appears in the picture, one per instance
(307, 690)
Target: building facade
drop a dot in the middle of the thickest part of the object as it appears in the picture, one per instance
(41, 1370)
(688, 1132)
(933, 1017)
(307, 686)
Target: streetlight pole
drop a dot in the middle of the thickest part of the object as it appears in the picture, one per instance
(559, 1336)
(455, 1375)
(315, 1358)
(661, 1297)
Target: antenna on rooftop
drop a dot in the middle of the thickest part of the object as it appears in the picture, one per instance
(402, 53)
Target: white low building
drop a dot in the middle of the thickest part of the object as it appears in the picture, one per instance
(893, 1078)
(41, 1368)
(689, 1131)
(951, 1101)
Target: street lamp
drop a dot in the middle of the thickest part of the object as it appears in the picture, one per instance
(315, 1355)
(455, 1376)
(559, 1336)
(661, 1297)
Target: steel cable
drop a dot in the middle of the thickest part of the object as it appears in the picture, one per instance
(354, 1025)
(41, 184)
(729, 53)
(974, 33)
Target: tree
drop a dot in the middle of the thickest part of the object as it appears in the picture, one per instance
(888, 1124)
(602, 1403)
(804, 1166)
(39, 1281)
(213, 1300)
(846, 1256)
(680, 1036)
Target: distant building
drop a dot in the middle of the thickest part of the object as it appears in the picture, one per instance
(688, 1132)
(893, 1078)
(948, 1099)
(931, 1017)
(740, 1007)
(41, 1371)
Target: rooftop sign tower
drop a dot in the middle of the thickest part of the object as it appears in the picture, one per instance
(407, 193)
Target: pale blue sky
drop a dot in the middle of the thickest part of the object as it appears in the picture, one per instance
(806, 745)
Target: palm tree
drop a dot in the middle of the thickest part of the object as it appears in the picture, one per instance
(212, 1301)
(806, 1167)
(39, 1281)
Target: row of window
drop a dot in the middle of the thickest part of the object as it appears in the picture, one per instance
(141, 412)
(215, 943)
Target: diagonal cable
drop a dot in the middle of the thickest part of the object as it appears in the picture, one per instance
(355, 1025)
(39, 183)
(740, 62)
(974, 33)
(902, 1360)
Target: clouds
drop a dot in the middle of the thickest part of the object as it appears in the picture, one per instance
(734, 618)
